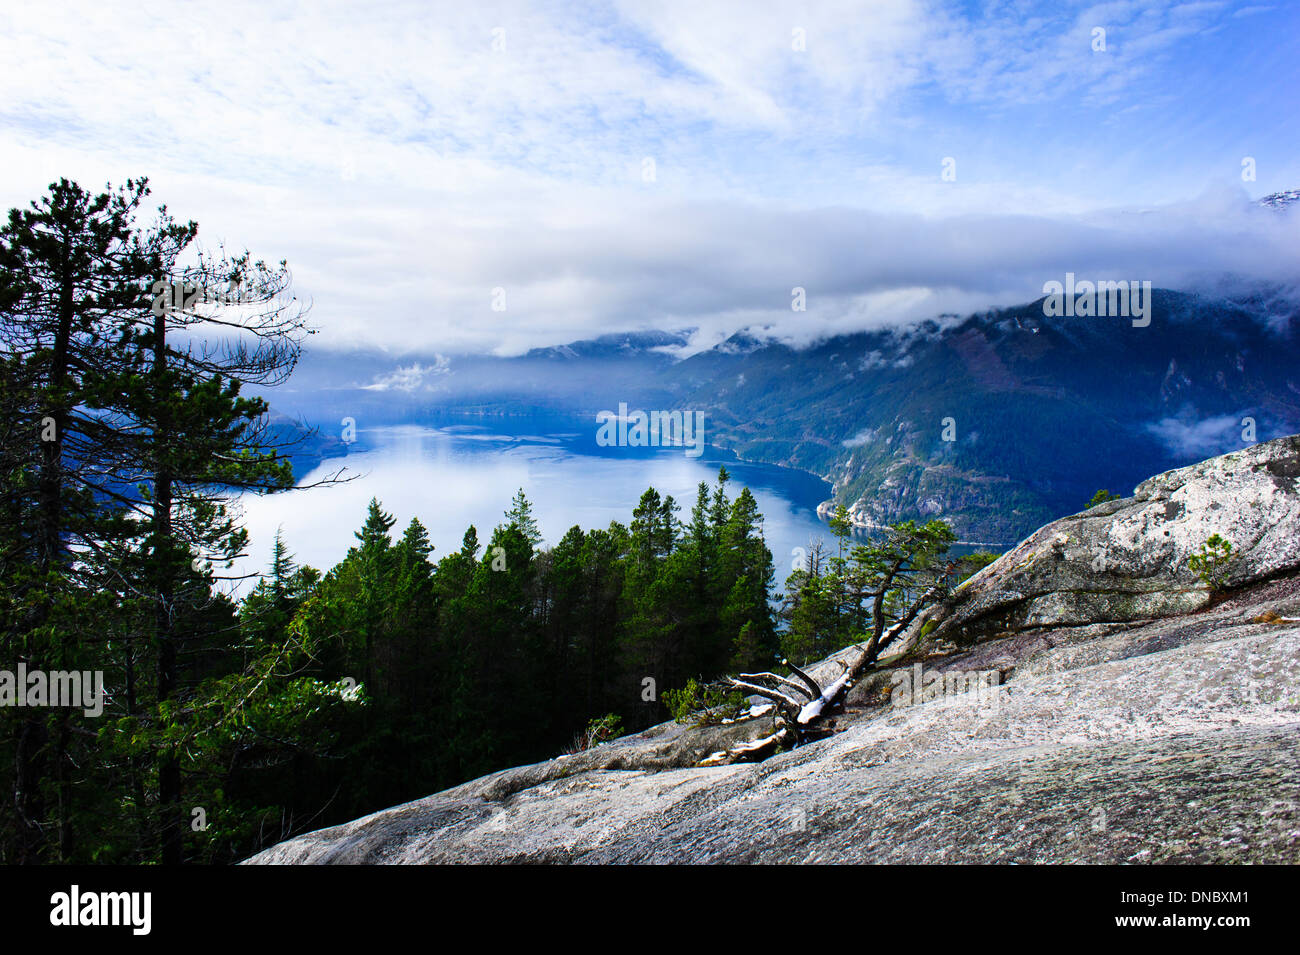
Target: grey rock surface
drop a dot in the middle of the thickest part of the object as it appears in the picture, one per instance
(1127, 560)
(1177, 741)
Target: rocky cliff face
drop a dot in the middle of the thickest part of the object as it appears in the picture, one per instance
(1128, 560)
(1084, 699)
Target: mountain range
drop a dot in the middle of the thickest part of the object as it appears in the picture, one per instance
(997, 422)
(1007, 419)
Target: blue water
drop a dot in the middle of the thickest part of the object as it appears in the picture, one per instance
(451, 471)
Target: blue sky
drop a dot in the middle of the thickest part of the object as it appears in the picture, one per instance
(410, 158)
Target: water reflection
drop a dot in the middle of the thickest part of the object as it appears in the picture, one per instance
(459, 474)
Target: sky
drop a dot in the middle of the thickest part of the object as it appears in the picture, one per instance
(480, 177)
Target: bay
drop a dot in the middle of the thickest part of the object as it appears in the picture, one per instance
(456, 470)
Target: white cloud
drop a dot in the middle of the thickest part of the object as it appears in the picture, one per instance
(1187, 437)
(411, 378)
(406, 168)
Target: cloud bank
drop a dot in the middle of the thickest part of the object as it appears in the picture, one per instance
(497, 176)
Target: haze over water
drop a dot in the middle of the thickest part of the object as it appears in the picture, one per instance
(452, 475)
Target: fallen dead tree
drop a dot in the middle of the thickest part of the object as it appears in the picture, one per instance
(898, 578)
(802, 704)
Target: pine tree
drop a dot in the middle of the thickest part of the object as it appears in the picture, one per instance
(198, 440)
(144, 429)
(721, 509)
(747, 563)
(521, 515)
(469, 543)
(808, 610)
(374, 560)
(266, 612)
(839, 577)
(415, 541)
(374, 532)
(282, 565)
(70, 269)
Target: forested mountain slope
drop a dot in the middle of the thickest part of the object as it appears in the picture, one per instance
(1040, 412)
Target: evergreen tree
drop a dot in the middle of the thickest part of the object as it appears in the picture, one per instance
(746, 561)
(142, 428)
(808, 609)
(70, 269)
(469, 544)
(521, 515)
(415, 542)
(373, 536)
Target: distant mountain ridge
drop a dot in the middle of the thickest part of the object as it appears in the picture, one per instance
(1279, 200)
(616, 345)
(578, 378)
(1041, 412)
